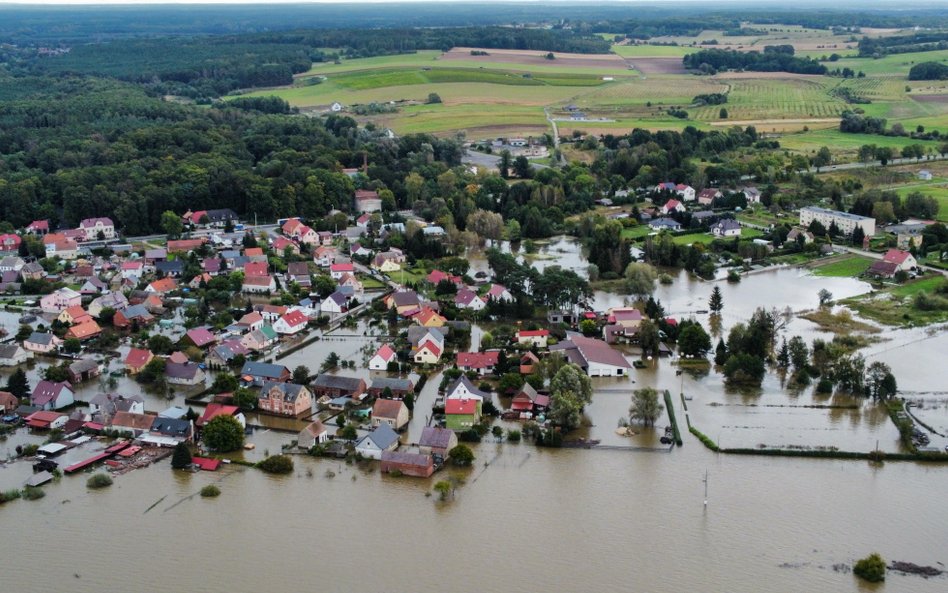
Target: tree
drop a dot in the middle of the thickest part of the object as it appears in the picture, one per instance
(648, 338)
(23, 332)
(171, 223)
(224, 383)
(224, 433)
(720, 352)
(160, 344)
(640, 279)
(826, 297)
(871, 568)
(693, 340)
(588, 327)
(18, 384)
(504, 164)
(822, 158)
(433, 98)
(56, 373)
(744, 368)
(276, 464)
(487, 224)
(798, 353)
(461, 455)
(301, 375)
(880, 382)
(331, 362)
(570, 391)
(443, 488)
(722, 114)
(348, 432)
(72, 345)
(716, 302)
(645, 406)
(181, 457)
(521, 167)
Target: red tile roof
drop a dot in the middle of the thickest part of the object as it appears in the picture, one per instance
(460, 406)
(212, 410)
(478, 360)
(138, 357)
(294, 318)
(896, 256)
(530, 333)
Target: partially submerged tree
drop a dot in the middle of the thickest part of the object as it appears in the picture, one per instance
(645, 406)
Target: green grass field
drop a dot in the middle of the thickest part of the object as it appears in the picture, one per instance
(846, 267)
(939, 192)
(843, 143)
(895, 64)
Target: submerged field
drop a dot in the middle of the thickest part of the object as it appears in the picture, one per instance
(511, 91)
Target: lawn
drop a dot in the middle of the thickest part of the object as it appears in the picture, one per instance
(706, 238)
(845, 267)
(636, 232)
(896, 305)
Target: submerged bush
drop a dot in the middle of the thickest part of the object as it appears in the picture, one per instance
(99, 481)
(277, 464)
(33, 493)
(210, 491)
(871, 568)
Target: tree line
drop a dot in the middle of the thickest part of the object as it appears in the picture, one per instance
(773, 59)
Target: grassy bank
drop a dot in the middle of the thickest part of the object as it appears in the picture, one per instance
(843, 267)
(919, 302)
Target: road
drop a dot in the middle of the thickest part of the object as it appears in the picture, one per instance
(556, 137)
(860, 165)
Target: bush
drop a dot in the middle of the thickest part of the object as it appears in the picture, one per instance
(33, 493)
(9, 495)
(461, 456)
(513, 436)
(871, 568)
(277, 464)
(210, 491)
(224, 433)
(99, 481)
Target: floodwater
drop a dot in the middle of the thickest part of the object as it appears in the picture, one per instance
(528, 519)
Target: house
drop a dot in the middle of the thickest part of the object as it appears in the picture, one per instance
(9, 244)
(218, 218)
(527, 362)
(291, 323)
(201, 337)
(428, 353)
(167, 432)
(224, 353)
(706, 197)
(83, 370)
(367, 201)
(325, 238)
(13, 354)
(393, 412)
(250, 321)
(271, 313)
(403, 301)
(533, 337)
(391, 388)
(314, 434)
(110, 300)
(382, 358)
(337, 270)
(433, 230)
(8, 402)
(332, 386)
(93, 286)
(923, 175)
(428, 317)
(903, 260)
(416, 465)
(436, 277)
(844, 221)
(462, 388)
(299, 272)
(41, 343)
(46, 420)
(437, 441)
(482, 363)
(468, 299)
(752, 194)
(334, 304)
(32, 271)
(726, 227)
(664, 224)
(109, 404)
(173, 268)
(462, 414)
(136, 359)
(387, 263)
(131, 316)
(61, 246)
(382, 438)
(803, 235)
(284, 399)
(48, 395)
(324, 256)
(59, 300)
(162, 286)
(259, 339)
(84, 331)
(258, 284)
(11, 263)
(685, 192)
(132, 423)
(883, 269)
(132, 270)
(97, 229)
(499, 293)
(528, 400)
(628, 318)
(594, 356)
(73, 315)
(258, 373)
(215, 409)
(672, 205)
(38, 227)
(183, 373)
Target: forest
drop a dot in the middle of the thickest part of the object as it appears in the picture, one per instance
(778, 58)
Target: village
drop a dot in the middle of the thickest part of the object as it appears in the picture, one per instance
(212, 312)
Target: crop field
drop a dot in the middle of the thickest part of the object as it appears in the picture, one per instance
(844, 143)
(652, 51)
(664, 90)
(479, 120)
(536, 59)
(777, 98)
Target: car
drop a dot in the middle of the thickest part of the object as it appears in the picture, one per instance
(10, 419)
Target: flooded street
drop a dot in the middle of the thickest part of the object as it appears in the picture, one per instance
(529, 519)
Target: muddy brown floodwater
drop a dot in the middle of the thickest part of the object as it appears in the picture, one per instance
(528, 519)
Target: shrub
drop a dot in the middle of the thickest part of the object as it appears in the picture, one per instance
(33, 493)
(9, 495)
(513, 436)
(181, 457)
(210, 491)
(871, 568)
(461, 455)
(99, 481)
(277, 464)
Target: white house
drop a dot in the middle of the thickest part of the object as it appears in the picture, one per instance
(336, 271)
(673, 205)
(292, 323)
(468, 299)
(727, 227)
(462, 388)
(380, 361)
(333, 304)
(13, 354)
(314, 434)
(382, 438)
(596, 357)
(533, 337)
(96, 228)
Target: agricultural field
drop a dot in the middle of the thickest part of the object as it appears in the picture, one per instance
(893, 65)
(939, 192)
(844, 144)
